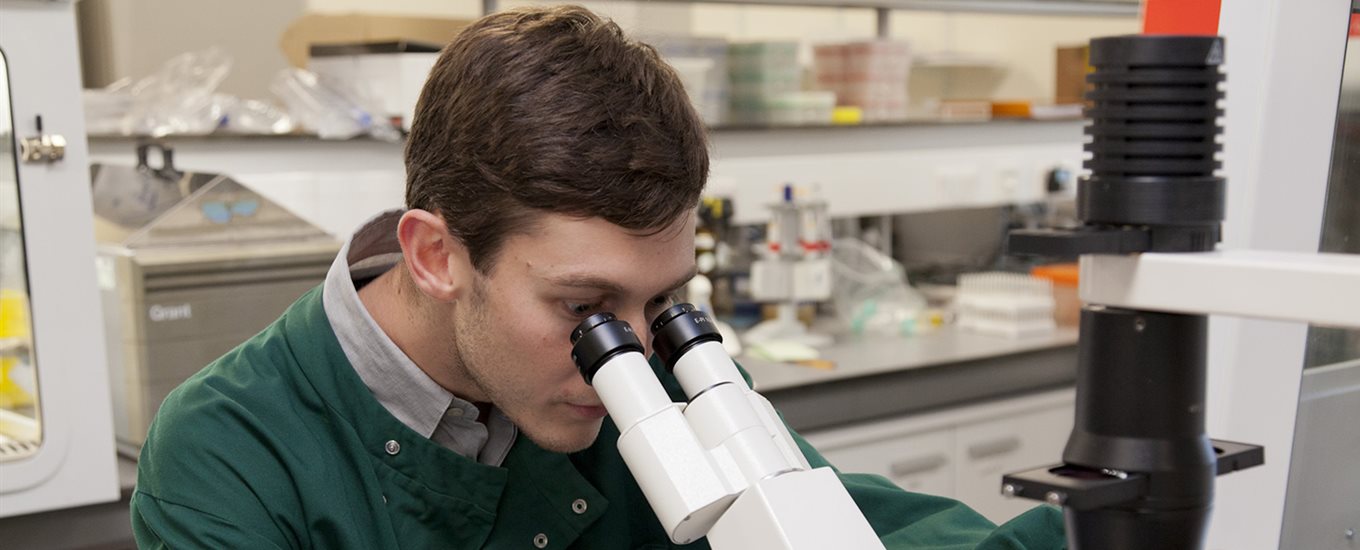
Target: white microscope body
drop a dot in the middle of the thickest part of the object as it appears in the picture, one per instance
(722, 465)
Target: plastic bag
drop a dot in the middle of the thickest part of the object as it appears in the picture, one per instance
(329, 107)
(870, 291)
(178, 98)
(107, 108)
(250, 116)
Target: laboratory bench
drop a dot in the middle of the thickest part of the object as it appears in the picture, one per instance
(877, 376)
(924, 391)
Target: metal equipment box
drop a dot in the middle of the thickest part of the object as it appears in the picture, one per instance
(189, 266)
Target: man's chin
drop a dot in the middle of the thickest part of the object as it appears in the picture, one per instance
(564, 439)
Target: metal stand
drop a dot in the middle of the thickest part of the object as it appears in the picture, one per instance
(1139, 469)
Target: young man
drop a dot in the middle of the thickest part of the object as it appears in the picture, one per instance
(425, 396)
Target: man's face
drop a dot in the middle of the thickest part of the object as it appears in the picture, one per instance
(512, 337)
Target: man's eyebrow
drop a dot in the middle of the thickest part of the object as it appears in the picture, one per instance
(587, 281)
(694, 270)
(594, 282)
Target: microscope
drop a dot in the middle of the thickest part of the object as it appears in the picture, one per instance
(721, 465)
(1138, 469)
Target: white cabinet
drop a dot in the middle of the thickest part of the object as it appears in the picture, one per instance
(921, 463)
(959, 453)
(989, 449)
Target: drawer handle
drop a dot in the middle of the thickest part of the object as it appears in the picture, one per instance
(993, 448)
(917, 465)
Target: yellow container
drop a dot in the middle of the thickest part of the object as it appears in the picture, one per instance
(14, 334)
(847, 115)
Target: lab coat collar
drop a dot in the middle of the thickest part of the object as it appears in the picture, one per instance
(535, 490)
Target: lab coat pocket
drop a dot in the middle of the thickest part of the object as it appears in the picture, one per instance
(424, 518)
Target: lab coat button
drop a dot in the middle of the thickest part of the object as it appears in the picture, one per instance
(392, 447)
(579, 506)
(541, 540)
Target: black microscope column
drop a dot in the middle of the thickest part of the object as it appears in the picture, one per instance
(1140, 408)
(1140, 384)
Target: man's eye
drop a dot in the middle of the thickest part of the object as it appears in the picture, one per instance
(582, 310)
(663, 301)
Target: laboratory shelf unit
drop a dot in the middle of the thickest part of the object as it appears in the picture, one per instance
(868, 170)
(883, 8)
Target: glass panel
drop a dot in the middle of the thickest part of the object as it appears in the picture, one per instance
(1320, 504)
(1341, 219)
(20, 428)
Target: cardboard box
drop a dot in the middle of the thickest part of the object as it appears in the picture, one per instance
(321, 28)
(1073, 64)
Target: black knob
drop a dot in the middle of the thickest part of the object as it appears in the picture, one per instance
(679, 328)
(598, 339)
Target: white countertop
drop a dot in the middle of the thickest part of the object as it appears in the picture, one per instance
(872, 354)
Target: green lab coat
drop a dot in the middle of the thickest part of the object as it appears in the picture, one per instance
(280, 445)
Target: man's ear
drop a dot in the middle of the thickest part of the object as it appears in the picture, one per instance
(438, 263)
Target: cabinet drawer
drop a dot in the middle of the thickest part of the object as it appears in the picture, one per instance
(990, 449)
(920, 463)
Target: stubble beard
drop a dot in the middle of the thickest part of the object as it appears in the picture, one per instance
(474, 330)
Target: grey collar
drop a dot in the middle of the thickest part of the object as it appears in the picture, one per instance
(398, 384)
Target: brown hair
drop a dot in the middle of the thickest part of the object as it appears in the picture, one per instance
(551, 109)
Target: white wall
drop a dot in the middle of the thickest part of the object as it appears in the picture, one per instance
(632, 16)
(1023, 43)
(143, 34)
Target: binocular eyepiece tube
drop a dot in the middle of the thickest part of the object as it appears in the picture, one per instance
(726, 448)
(629, 390)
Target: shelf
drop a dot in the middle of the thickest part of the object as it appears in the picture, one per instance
(1112, 8)
(720, 128)
(1098, 8)
(862, 170)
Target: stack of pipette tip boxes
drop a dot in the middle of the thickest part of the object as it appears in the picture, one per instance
(1005, 304)
(767, 86)
(701, 63)
(871, 75)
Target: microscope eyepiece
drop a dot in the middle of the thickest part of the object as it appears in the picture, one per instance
(679, 328)
(670, 314)
(599, 338)
(590, 323)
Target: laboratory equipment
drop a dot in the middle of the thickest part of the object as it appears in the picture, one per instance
(871, 75)
(759, 72)
(1005, 304)
(710, 90)
(59, 451)
(1139, 470)
(190, 265)
(722, 465)
(795, 268)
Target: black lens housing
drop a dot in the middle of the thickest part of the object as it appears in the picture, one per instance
(679, 328)
(598, 339)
